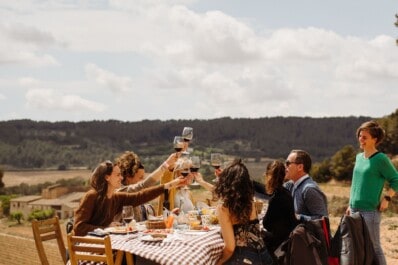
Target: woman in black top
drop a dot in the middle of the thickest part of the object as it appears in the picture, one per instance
(280, 218)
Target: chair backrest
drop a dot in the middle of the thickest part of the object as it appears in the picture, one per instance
(44, 230)
(98, 249)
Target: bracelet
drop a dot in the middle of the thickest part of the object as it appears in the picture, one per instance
(387, 197)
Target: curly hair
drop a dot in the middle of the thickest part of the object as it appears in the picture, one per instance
(274, 176)
(235, 189)
(129, 163)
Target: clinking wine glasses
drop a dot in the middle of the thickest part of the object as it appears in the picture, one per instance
(195, 165)
(178, 143)
(216, 162)
(184, 167)
(187, 133)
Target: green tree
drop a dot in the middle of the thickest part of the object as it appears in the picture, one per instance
(342, 163)
(390, 143)
(5, 202)
(320, 172)
(18, 216)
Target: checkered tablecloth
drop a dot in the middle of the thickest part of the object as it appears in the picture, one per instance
(185, 249)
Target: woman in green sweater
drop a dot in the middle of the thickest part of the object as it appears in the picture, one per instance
(372, 169)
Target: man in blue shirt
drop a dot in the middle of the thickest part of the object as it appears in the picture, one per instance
(309, 201)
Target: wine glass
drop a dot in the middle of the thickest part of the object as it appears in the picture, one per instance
(185, 167)
(215, 161)
(184, 155)
(187, 133)
(178, 143)
(127, 214)
(195, 165)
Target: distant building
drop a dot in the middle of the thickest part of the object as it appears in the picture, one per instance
(22, 204)
(63, 206)
(54, 191)
(54, 197)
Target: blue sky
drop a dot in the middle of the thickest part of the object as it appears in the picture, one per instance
(149, 59)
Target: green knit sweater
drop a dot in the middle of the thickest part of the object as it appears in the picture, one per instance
(368, 180)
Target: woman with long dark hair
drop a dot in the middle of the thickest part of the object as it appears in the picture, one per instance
(238, 219)
(280, 218)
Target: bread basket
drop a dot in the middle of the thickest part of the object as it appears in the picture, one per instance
(155, 224)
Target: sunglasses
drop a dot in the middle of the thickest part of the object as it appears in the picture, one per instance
(288, 163)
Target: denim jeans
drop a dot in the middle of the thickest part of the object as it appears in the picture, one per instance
(372, 220)
(244, 255)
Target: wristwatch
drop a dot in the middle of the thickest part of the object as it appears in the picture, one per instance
(387, 197)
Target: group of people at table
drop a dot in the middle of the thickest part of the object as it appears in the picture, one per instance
(293, 196)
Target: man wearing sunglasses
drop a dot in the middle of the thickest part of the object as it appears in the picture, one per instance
(309, 201)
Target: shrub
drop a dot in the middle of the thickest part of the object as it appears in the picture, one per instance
(320, 172)
(17, 216)
(41, 214)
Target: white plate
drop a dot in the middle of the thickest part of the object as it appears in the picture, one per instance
(149, 238)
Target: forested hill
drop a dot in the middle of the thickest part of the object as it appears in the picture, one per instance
(31, 144)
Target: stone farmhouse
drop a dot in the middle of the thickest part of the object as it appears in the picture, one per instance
(55, 197)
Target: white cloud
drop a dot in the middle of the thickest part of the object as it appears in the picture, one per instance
(163, 51)
(27, 34)
(21, 44)
(118, 84)
(2, 97)
(47, 99)
(29, 82)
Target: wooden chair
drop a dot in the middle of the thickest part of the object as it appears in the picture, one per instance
(97, 249)
(48, 230)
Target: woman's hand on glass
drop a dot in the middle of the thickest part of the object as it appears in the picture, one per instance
(178, 182)
(217, 172)
(198, 177)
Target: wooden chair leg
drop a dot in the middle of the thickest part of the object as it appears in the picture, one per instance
(129, 258)
(119, 257)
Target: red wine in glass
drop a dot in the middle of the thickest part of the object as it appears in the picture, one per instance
(216, 166)
(194, 169)
(178, 143)
(216, 160)
(127, 220)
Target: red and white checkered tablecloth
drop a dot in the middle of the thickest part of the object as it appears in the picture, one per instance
(185, 249)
